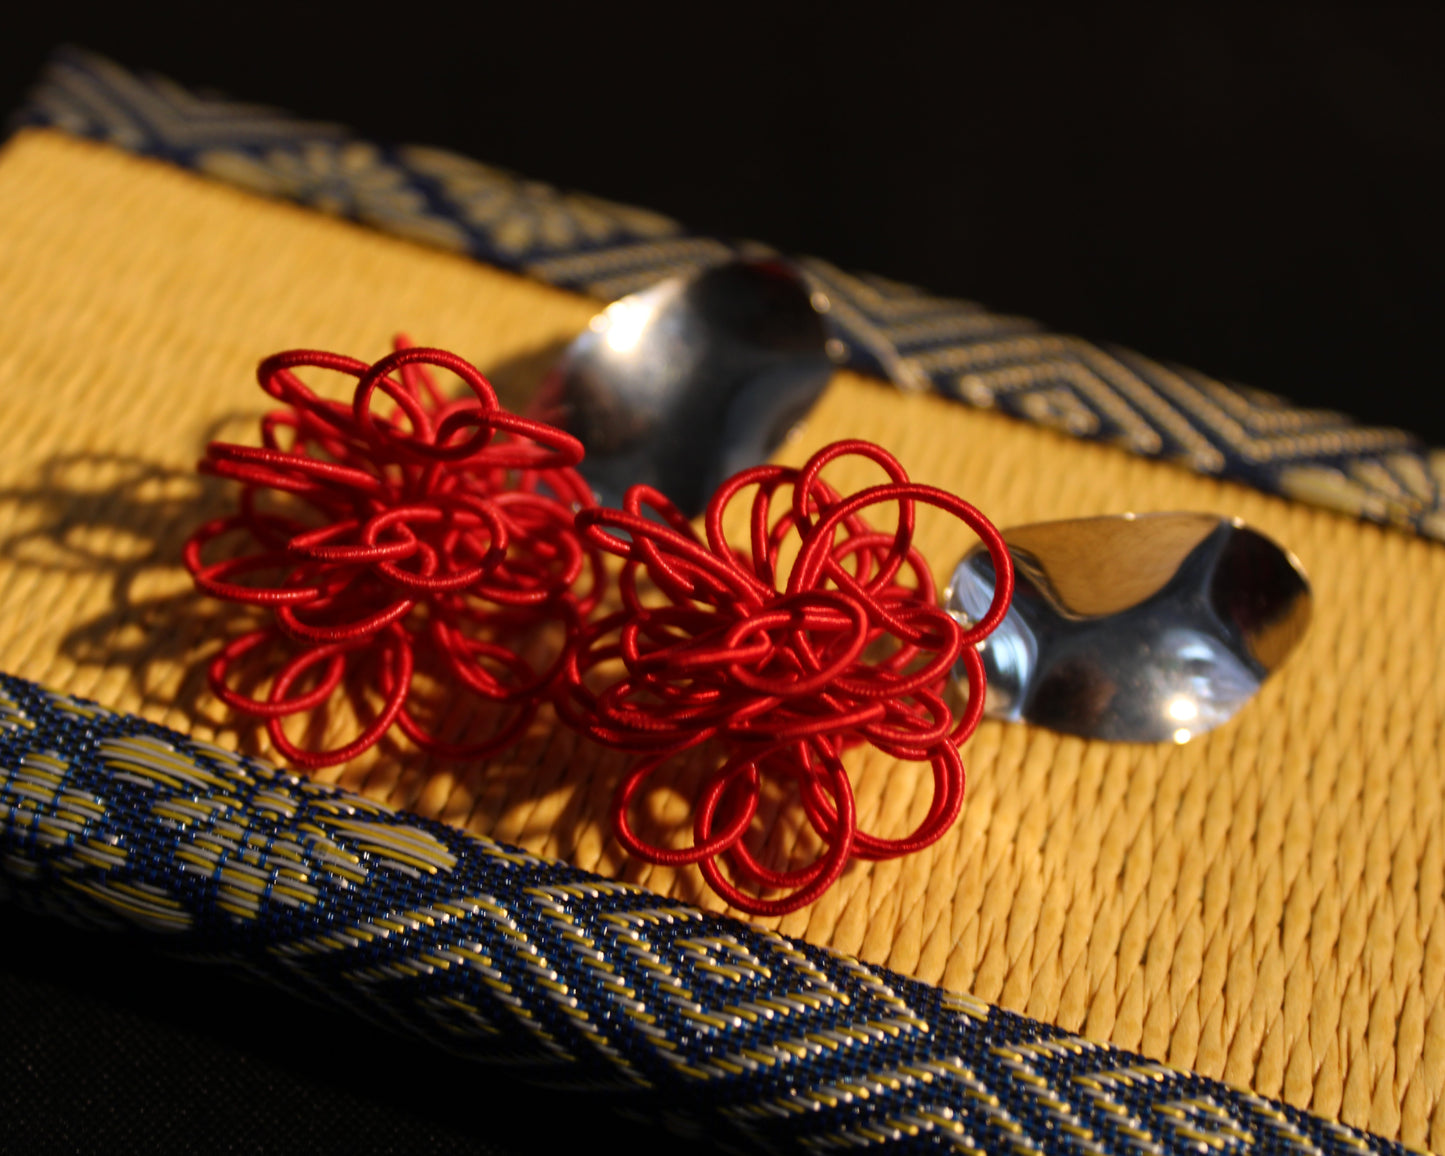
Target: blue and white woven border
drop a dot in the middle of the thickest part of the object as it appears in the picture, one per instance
(576, 981)
(956, 348)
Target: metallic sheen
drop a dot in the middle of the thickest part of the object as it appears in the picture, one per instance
(687, 382)
(1135, 628)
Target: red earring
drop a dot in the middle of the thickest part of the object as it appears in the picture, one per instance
(786, 671)
(434, 539)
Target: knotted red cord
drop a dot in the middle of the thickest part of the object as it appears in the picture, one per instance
(786, 672)
(438, 536)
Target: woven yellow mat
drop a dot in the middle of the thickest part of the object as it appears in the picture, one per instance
(1265, 905)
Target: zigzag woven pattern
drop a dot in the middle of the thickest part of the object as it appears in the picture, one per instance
(584, 983)
(957, 348)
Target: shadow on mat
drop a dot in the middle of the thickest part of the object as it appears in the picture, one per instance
(123, 522)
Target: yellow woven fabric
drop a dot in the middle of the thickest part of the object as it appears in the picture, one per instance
(1265, 905)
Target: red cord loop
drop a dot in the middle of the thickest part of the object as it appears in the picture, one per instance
(421, 534)
(786, 670)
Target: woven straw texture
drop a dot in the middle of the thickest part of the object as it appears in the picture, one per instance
(1265, 905)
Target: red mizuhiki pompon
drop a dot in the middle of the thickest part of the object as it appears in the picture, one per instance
(442, 538)
(396, 536)
(783, 671)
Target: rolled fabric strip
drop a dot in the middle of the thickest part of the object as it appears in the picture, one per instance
(498, 955)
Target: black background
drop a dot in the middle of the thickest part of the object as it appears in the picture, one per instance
(1254, 193)
(1251, 192)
